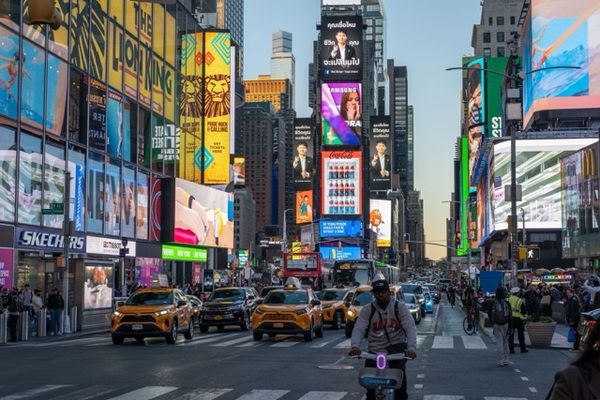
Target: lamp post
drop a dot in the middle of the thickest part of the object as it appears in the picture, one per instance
(284, 243)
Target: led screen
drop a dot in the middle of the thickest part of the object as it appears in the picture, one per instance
(341, 48)
(380, 221)
(345, 253)
(341, 114)
(341, 182)
(340, 228)
(475, 109)
(98, 289)
(380, 161)
(304, 206)
(303, 162)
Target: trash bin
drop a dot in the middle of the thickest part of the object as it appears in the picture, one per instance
(41, 322)
(23, 326)
(3, 327)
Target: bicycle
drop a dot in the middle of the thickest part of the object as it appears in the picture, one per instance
(382, 378)
(471, 321)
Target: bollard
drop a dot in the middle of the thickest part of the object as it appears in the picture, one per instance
(3, 327)
(23, 326)
(74, 319)
(41, 322)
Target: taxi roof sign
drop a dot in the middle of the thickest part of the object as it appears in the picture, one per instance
(293, 283)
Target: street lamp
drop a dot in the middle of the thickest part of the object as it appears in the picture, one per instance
(284, 243)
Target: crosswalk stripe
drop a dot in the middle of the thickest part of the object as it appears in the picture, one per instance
(33, 392)
(323, 344)
(86, 393)
(421, 341)
(203, 394)
(473, 342)
(210, 339)
(289, 342)
(343, 345)
(323, 396)
(443, 342)
(504, 398)
(264, 395)
(233, 341)
(146, 393)
(442, 397)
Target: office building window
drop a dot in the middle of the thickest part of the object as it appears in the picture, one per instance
(512, 20)
(487, 52)
(501, 52)
(499, 21)
(487, 37)
(491, 21)
(500, 37)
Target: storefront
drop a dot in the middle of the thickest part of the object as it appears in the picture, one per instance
(188, 264)
(6, 256)
(148, 264)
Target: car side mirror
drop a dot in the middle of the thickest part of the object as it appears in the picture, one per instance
(181, 303)
(315, 302)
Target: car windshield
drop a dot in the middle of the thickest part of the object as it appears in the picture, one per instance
(150, 298)
(331, 295)
(431, 287)
(265, 291)
(362, 298)
(294, 297)
(227, 295)
(411, 288)
(409, 299)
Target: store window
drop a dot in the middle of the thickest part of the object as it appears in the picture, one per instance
(32, 86)
(112, 210)
(8, 171)
(77, 107)
(30, 179)
(56, 95)
(54, 182)
(128, 202)
(77, 169)
(141, 214)
(97, 117)
(31, 270)
(9, 72)
(95, 193)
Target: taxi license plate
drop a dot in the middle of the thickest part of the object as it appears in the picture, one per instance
(137, 327)
(277, 324)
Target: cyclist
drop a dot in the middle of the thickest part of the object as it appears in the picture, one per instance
(451, 294)
(469, 302)
(388, 327)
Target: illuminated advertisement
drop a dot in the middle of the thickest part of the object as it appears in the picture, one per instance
(463, 247)
(380, 221)
(345, 253)
(475, 109)
(341, 114)
(238, 166)
(557, 34)
(165, 143)
(6, 268)
(341, 182)
(304, 206)
(340, 228)
(203, 215)
(580, 203)
(380, 160)
(538, 173)
(341, 48)
(118, 127)
(98, 289)
(493, 97)
(303, 163)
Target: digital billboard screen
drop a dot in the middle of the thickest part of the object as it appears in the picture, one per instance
(341, 113)
(380, 161)
(340, 228)
(98, 289)
(238, 166)
(561, 34)
(203, 215)
(341, 48)
(341, 182)
(304, 206)
(538, 173)
(303, 163)
(475, 109)
(380, 221)
(345, 253)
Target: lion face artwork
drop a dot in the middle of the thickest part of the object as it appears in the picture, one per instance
(190, 104)
(216, 96)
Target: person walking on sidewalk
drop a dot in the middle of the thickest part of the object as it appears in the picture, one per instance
(580, 380)
(501, 317)
(37, 304)
(573, 315)
(15, 306)
(517, 306)
(56, 305)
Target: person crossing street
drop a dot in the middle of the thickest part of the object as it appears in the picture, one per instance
(517, 305)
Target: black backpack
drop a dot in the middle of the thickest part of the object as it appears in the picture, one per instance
(501, 312)
(396, 313)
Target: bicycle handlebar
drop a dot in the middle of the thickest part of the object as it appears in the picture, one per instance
(389, 357)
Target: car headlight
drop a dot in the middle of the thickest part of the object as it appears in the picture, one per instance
(351, 313)
(162, 312)
(117, 314)
(301, 311)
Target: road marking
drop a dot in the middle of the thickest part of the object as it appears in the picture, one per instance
(323, 396)
(518, 371)
(146, 393)
(343, 345)
(504, 398)
(264, 395)
(251, 344)
(443, 342)
(323, 344)
(86, 394)
(473, 343)
(33, 392)
(211, 339)
(420, 376)
(418, 386)
(442, 397)
(285, 343)
(524, 378)
(203, 394)
(532, 389)
(233, 341)
(420, 341)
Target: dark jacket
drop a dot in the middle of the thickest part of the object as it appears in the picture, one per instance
(576, 382)
(573, 310)
(55, 301)
(532, 300)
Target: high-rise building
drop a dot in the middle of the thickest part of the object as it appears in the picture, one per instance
(244, 209)
(498, 25)
(410, 171)
(283, 62)
(414, 219)
(277, 91)
(399, 114)
(282, 42)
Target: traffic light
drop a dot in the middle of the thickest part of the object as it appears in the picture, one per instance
(44, 12)
(533, 253)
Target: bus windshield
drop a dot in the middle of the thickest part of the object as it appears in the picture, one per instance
(352, 272)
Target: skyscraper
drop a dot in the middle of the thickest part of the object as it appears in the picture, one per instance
(410, 173)
(399, 114)
(499, 20)
(283, 62)
(374, 18)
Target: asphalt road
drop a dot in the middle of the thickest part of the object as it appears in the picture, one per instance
(230, 365)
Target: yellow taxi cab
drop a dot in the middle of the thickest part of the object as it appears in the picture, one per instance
(153, 312)
(332, 300)
(291, 310)
(353, 303)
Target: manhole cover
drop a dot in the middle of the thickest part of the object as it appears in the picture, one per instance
(335, 366)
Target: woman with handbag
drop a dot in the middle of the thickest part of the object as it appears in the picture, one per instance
(581, 379)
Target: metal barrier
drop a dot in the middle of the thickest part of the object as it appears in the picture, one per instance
(3, 327)
(74, 319)
(23, 326)
(41, 322)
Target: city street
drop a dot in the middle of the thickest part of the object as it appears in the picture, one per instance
(230, 365)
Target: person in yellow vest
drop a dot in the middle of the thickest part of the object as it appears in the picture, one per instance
(517, 305)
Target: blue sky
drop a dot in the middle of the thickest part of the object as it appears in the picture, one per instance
(425, 35)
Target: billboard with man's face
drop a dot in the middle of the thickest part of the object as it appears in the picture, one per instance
(303, 163)
(380, 159)
(341, 113)
(341, 48)
(475, 109)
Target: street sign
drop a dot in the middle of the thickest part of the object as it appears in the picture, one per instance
(55, 209)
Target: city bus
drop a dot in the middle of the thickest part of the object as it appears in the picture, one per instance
(308, 267)
(362, 271)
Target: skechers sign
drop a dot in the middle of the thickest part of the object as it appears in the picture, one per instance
(340, 228)
(44, 240)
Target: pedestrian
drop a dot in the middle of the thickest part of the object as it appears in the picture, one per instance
(596, 303)
(56, 305)
(27, 296)
(532, 303)
(3, 298)
(501, 317)
(573, 315)
(14, 307)
(581, 379)
(517, 306)
(37, 304)
(546, 303)
(592, 288)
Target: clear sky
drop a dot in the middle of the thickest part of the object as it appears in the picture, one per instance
(425, 35)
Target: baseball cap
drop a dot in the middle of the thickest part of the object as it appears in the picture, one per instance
(515, 290)
(379, 283)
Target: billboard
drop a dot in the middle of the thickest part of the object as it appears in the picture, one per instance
(475, 109)
(303, 162)
(98, 289)
(380, 162)
(341, 182)
(345, 253)
(463, 247)
(341, 48)
(380, 221)
(203, 215)
(340, 228)
(205, 105)
(341, 114)
(238, 166)
(538, 173)
(494, 123)
(304, 206)
(557, 34)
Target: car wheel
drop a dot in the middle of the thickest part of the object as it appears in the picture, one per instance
(204, 328)
(310, 334)
(189, 334)
(348, 329)
(337, 320)
(319, 330)
(172, 336)
(245, 325)
(257, 336)
(116, 339)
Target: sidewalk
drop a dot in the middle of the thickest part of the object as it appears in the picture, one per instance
(58, 338)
